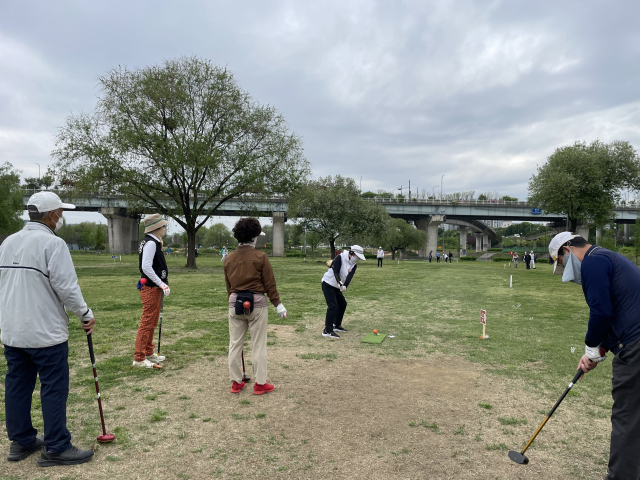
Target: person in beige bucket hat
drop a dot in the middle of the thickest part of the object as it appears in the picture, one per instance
(154, 283)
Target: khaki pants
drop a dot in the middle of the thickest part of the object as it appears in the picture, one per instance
(256, 322)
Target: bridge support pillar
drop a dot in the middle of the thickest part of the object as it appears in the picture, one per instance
(598, 235)
(478, 241)
(463, 239)
(583, 231)
(278, 234)
(485, 243)
(123, 230)
(430, 225)
(626, 233)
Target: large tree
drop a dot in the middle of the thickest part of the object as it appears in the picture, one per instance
(181, 139)
(218, 236)
(11, 205)
(332, 207)
(400, 235)
(583, 182)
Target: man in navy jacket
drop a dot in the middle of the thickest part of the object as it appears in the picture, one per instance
(611, 286)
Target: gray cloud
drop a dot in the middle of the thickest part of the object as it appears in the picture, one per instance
(391, 91)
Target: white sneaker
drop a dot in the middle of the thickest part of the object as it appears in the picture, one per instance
(154, 358)
(146, 364)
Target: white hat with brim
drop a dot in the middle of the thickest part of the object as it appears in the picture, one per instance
(554, 246)
(357, 249)
(153, 222)
(43, 202)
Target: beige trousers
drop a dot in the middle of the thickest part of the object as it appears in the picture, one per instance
(256, 322)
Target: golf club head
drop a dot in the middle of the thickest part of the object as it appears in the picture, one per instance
(518, 457)
(246, 379)
(106, 438)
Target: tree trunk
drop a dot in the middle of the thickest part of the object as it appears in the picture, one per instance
(191, 248)
(573, 224)
(332, 243)
(393, 254)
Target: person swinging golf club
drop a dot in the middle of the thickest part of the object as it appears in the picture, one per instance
(334, 283)
(37, 283)
(155, 284)
(249, 279)
(611, 286)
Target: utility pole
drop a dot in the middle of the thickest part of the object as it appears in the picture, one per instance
(441, 179)
(409, 190)
(38, 170)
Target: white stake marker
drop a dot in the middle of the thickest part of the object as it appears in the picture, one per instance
(483, 320)
(510, 281)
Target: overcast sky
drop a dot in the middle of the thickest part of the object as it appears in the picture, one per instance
(392, 91)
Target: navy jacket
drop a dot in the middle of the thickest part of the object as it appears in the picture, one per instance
(611, 286)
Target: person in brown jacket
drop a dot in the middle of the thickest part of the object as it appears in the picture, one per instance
(249, 278)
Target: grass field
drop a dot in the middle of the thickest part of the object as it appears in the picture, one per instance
(433, 402)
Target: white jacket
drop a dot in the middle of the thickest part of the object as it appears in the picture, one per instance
(380, 253)
(37, 281)
(345, 269)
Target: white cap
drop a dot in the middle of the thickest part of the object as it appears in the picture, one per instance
(47, 202)
(554, 246)
(357, 249)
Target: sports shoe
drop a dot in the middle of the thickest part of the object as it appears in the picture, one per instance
(73, 456)
(146, 364)
(236, 387)
(155, 358)
(339, 328)
(17, 452)
(264, 388)
(332, 335)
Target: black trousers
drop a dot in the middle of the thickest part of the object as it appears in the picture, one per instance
(336, 306)
(380, 262)
(624, 461)
(23, 366)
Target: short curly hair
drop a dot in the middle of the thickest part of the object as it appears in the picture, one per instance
(246, 229)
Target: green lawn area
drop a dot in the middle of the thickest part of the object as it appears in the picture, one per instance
(536, 329)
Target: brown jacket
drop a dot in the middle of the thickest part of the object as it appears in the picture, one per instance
(249, 269)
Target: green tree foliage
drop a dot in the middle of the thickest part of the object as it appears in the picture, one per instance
(85, 234)
(11, 205)
(100, 237)
(583, 182)
(218, 235)
(636, 240)
(313, 240)
(400, 235)
(332, 207)
(181, 139)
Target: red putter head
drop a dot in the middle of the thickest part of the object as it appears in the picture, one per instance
(106, 438)
(143, 281)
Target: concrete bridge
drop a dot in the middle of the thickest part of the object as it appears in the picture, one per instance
(427, 215)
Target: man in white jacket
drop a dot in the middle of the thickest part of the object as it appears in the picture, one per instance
(38, 283)
(380, 256)
(334, 283)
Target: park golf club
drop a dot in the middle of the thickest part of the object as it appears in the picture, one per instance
(105, 437)
(160, 326)
(246, 305)
(519, 457)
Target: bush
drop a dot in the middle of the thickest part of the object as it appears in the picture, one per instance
(370, 256)
(468, 259)
(501, 259)
(494, 250)
(295, 254)
(175, 245)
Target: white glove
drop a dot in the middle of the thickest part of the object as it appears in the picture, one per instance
(595, 354)
(282, 312)
(165, 289)
(342, 287)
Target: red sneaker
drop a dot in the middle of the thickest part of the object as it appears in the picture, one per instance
(236, 387)
(260, 389)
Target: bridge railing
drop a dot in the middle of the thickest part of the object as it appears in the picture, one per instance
(490, 202)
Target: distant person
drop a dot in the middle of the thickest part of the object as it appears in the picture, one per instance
(153, 268)
(450, 257)
(196, 250)
(610, 284)
(445, 256)
(224, 252)
(430, 255)
(533, 260)
(380, 256)
(249, 277)
(515, 260)
(38, 284)
(334, 283)
(437, 257)
(527, 260)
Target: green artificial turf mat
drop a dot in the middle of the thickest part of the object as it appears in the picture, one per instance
(372, 338)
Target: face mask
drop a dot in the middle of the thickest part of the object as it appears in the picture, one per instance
(59, 224)
(572, 269)
(354, 260)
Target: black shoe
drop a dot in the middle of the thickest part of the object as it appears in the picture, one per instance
(332, 335)
(17, 452)
(339, 329)
(73, 456)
